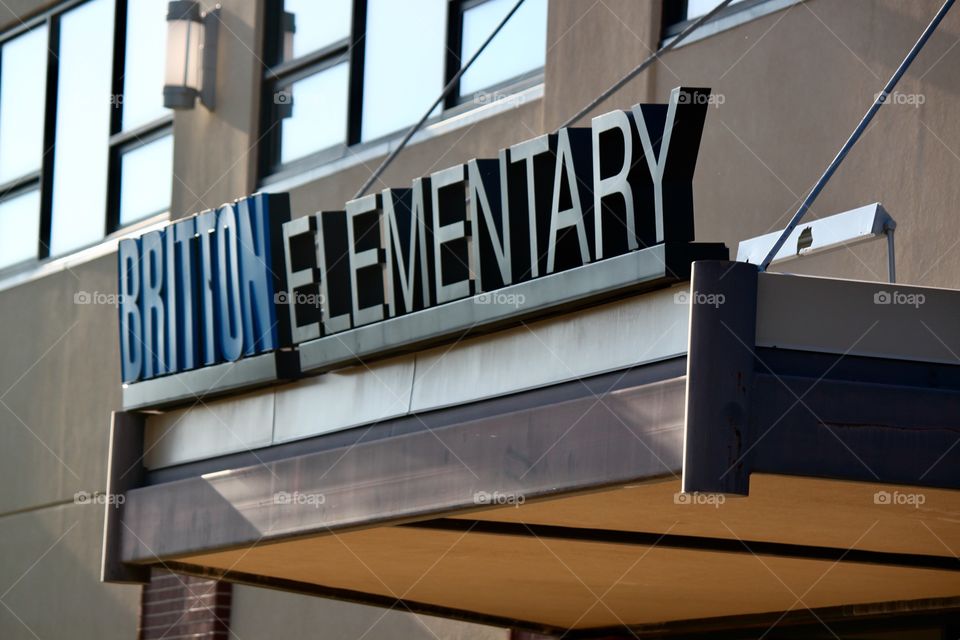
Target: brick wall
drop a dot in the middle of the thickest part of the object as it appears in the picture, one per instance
(176, 606)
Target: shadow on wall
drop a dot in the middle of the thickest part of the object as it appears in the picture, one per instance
(262, 613)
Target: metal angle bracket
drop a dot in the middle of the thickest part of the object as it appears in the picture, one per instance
(826, 234)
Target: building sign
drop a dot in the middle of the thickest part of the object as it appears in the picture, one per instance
(245, 279)
(202, 290)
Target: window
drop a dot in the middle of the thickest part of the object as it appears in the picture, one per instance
(677, 14)
(403, 63)
(19, 227)
(697, 8)
(22, 96)
(141, 144)
(23, 90)
(309, 88)
(346, 72)
(82, 126)
(85, 143)
(502, 60)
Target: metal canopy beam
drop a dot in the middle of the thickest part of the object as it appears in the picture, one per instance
(810, 413)
(846, 430)
(629, 432)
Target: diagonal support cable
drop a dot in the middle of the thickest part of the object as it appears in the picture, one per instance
(653, 57)
(656, 55)
(443, 94)
(855, 136)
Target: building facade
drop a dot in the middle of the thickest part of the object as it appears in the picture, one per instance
(318, 480)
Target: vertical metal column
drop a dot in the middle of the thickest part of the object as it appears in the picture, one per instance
(720, 365)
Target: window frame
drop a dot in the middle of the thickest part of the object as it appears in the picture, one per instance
(40, 179)
(351, 51)
(118, 142)
(285, 73)
(674, 15)
(514, 84)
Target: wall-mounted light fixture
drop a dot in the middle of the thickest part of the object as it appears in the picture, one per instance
(191, 55)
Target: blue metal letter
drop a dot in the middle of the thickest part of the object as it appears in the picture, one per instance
(206, 225)
(260, 220)
(181, 310)
(230, 329)
(153, 310)
(131, 347)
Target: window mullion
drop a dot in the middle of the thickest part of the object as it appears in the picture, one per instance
(49, 134)
(356, 61)
(454, 41)
(112, 214)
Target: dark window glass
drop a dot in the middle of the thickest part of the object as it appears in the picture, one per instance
(519, 48)
(404, 62)
(23, 63)
(82, 126)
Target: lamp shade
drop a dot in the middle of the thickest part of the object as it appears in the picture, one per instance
(182, 78)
